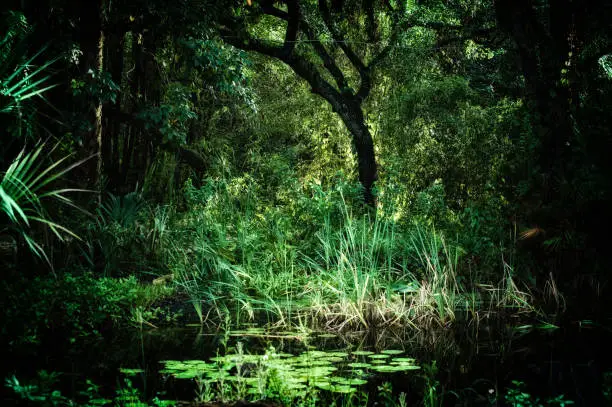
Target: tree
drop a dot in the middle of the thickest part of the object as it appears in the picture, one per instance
(323, 44)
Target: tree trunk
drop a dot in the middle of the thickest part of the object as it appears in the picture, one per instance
(352, 116)
(92, 44)
(98, 124)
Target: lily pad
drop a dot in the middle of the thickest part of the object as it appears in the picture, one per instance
(342, 389)
(379, 356)
(318, 371)
(394, 368)
(217, 375)
(186, 374)
(308, 363)
(392, 351)
(362, 353)
(337, 354)
(335, 388)
(358, 365)
(315, 354)
(349, 381)
(403, 360)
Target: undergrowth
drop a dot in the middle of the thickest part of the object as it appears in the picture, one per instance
(313, 257)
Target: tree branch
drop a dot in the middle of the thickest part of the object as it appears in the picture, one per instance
(241, 40)
(328, 61)
(293, 26)
(268, 8)
(338, 38)
(364, 72)
(371, 25)
(300, 65)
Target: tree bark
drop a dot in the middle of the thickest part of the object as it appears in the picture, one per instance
(351, 114)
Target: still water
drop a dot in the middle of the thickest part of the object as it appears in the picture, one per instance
(468, 364)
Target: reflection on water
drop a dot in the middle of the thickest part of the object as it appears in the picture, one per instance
(475, 362)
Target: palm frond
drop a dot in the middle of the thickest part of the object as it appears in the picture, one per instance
(23, 192)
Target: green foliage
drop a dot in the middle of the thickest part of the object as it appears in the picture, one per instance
(172, 118)
(235, 250)
(40, 392)
(288, 379)
(606, 65)
(222, 66)
(15, 27)
(433, 395)
(24, 192)
(123, 210)
(24, 78)
(516, 396)
(23, 83)
(128, 234)
(95, 87)
(73, 305)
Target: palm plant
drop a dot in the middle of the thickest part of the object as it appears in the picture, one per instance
(24, 83)
(20, 78)
(24, 185)
(23, 192)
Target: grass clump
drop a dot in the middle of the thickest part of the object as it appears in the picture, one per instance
(314, 258)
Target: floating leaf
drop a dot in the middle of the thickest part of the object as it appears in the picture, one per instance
(315, 354)
(394, 368)
(219, 374)
(362, 352)
(309, 363)
(349, 381)
(337, 354)
(378, 356)
(404, 360)
(392, 351)
(317, 371)
(337, 388)
(360, 365)
(186, 375)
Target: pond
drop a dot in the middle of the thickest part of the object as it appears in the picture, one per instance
(495, 362)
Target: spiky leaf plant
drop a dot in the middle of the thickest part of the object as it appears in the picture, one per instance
(24, 190)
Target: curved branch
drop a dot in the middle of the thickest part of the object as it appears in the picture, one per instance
(328, 61)
(364, 72)
(242, 41)
(300, 65)
(268, 8)
(339, 38)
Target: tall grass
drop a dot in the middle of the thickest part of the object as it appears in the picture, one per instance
(352, 270)
(438, 261)
(343, 270)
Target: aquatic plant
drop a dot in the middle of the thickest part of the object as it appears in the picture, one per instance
(284, 376)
